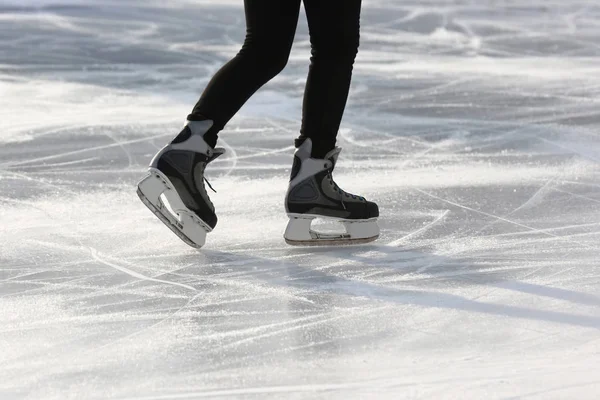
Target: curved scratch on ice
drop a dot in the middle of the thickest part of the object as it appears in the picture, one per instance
(429, 225)
(96, 257)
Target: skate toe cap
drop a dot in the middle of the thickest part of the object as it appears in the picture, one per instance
(372, 209)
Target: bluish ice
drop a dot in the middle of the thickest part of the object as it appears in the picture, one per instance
(475, 125)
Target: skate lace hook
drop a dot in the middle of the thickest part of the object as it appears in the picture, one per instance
(209, 185)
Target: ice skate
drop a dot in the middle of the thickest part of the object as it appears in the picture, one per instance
(174, 186)
(312, 193)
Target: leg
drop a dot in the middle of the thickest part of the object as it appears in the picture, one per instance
(173, 188)
(334, 27)
(270, 29)
(312, 192)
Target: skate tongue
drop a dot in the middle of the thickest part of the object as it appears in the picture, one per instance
(333, 155)
(304, 151)
(217, 152)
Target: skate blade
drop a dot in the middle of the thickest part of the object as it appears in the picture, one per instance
(299, 232)
(181, 221)
(331, 242)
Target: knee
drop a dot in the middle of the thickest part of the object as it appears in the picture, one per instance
(266, 55)
(276, 63)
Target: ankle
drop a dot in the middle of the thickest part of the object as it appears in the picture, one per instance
(319, 149)
(205, 128)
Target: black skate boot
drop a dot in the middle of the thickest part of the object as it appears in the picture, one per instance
(174, 187)
(312, 193)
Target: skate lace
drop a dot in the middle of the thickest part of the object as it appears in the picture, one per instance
(339, 190)
(211, 158)
(204, 180)
(209, 185)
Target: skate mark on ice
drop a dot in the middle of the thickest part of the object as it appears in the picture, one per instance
(346, 135)
(60, 164)
(80, 151)
(146, 328)
(433, 90)
(97, 290)
(233, 158)
(359, 339)
(581, 183)
(413, 157)
(540, 290)
(585, 245)
(243, 283)
(542, 191)
(198, 309)
(558, 228)
(536, 197)
(413, 277)
(55, 287)
(433, 299)
(322, 319)
(121, 145)
(41, 181)
(548, 239)
(284, 391)
(451, 301)
(265, 153)
(552, 292)
(418, 231)
(580, 196)
(575, 151)
(561, 388)
(256, 332)
(127, 271)
(259, 288)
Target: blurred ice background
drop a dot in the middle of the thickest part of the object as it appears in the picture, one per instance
(474, 125)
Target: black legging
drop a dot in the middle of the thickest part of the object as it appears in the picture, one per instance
(271, 24)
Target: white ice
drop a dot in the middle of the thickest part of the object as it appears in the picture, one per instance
(473, 124)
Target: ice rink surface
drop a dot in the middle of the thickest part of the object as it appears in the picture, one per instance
(473, 124)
